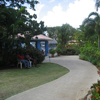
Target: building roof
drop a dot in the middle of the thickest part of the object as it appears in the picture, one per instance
(36, 37)
(53, 42)
(41, 37)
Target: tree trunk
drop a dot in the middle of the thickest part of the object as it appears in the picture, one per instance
(98, 40)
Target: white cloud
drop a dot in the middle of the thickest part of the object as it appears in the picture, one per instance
(74, 15)
(79, 10)
(38, 9)
(54, 17)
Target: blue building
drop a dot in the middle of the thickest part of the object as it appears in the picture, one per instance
(38, 39)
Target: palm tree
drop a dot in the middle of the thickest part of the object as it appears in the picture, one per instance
(63, 34)
(96, 20)
(87, 27)
(51, 32)
(97, 4)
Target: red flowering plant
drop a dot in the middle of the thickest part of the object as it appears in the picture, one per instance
(95, 90)
(98, 72)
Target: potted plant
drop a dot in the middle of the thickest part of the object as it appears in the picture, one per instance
(52, 51)
(59, 51)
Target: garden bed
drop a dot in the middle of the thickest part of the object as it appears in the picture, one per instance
(89, 92)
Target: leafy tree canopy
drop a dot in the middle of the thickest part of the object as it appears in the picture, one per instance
(97, 4)
(61, 33)
(52, 32)
(14, 21)
(17, 3)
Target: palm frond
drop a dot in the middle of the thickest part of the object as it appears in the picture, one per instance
(93, 14)
(88, 21)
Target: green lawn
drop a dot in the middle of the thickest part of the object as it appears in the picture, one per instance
(13, 81)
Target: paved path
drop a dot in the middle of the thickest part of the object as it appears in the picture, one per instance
(72, 86)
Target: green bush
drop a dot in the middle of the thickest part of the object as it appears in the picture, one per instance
(88, 50)
(76, 48)
(35, 54)
(58, 50)
(64, 51)
(97, 54)
(68, 51)
(12, 57)
(98, 63)
(93, 60)
(91, 54)
(71, 51)
(52, 51)
(95, 90)
(10, 60)
(83, 57)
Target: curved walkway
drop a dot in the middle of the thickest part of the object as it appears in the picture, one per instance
(72, 86)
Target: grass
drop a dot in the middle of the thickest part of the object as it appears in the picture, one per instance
(13, 81)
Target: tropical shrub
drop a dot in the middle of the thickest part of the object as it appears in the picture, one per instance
(67, 51)
(75, 47)
(71, 51)
(52, 51)
(98, 63)
(35, 54)
(12, 57)
(64, 51)
(91, 54)
(58, 50)
(95, 90)
(83, 57)
(93, 60)
(11, 61)
(97, 54)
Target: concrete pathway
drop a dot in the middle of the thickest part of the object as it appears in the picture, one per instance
(72, 86)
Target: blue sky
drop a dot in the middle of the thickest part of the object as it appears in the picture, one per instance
(58, 12)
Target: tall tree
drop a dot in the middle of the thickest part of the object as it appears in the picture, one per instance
(17, 21)
(96, 20)
(14, 21)
(11, 23)
(17, 3)
(97, 4)
(79, 37)
(63, 34)
(88, 28)
(51, 32)
(8, 17)
(34, 28)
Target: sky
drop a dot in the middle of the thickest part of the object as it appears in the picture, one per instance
(59, 12)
